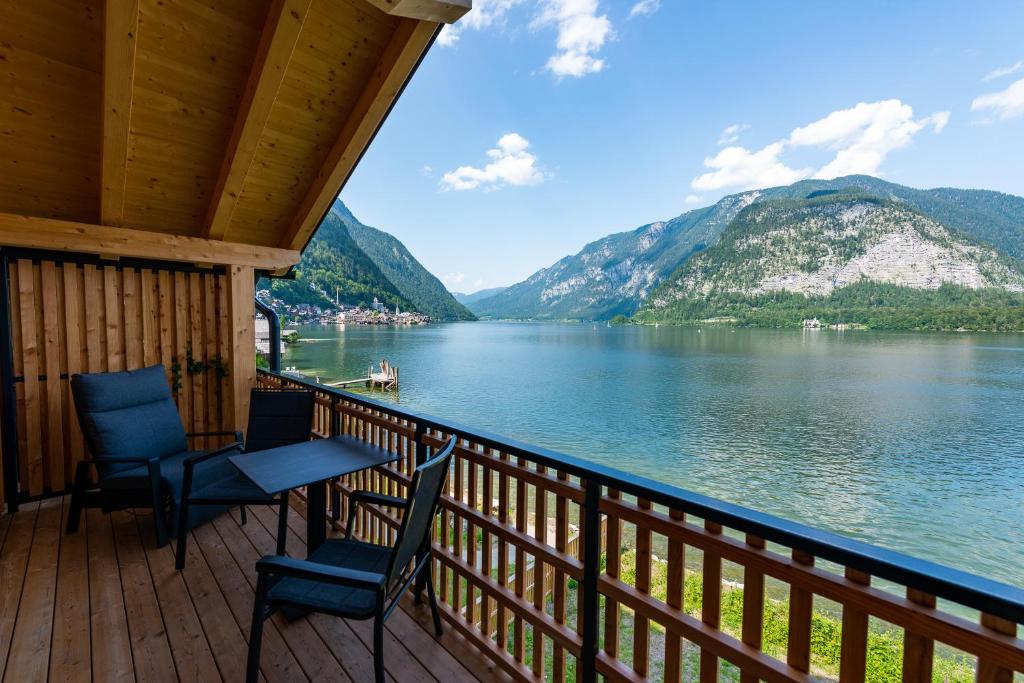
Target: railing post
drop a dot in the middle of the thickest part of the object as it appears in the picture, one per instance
(591, 569)
(421, 457)
(8, 398)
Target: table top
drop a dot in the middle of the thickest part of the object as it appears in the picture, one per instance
(288, 467)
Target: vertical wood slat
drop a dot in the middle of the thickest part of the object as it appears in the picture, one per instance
(519, 627)
(918, 650)
(540, 532)
(132, 313)
(711, 607)
(54, 453)
(854, 642)
(198, 349)
(73, 310)
(674, 599)
(558, 668)
(114, 313)
(753, 606)
(32, 476)
(989, 672)
(611, 607)
(641, 624)
(801, 603)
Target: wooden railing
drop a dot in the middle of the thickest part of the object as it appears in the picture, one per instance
(666, 584)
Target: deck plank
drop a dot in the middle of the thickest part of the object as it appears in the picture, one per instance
(228, 640)
(13, 565)
(104, 604)
(313, 655)
(191, 652)
(277, 662)
(151, 650)
(71, 656)
(111, 642)
(29, 657)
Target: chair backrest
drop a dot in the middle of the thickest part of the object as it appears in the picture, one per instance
(418, 521)
(278, 417)
(128, 415)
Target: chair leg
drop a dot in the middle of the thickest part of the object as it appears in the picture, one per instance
(78, 490)
(244, 517)
(335, 501)
(159, 522)
(179, 553)
(282, 525)
(378, 648)
(252, 667)
(434, 611)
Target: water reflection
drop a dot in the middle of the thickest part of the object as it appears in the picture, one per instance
(907, 440)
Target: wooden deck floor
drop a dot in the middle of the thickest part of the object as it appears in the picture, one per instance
(105, 605)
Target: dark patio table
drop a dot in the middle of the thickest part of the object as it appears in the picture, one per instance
(311, 464)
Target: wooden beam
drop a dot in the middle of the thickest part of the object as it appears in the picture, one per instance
(121, 24)
(242, 371)
(48, 233)
(280, 35)
(438, 11)
(410, 40)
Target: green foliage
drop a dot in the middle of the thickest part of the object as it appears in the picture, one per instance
(885, 646)
(195, 366)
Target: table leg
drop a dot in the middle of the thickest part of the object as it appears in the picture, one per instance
(316, 515)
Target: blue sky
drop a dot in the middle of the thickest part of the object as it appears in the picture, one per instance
(536, 126)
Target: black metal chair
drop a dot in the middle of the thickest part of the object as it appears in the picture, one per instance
(137, 444)
(277, 417)
(354, 579)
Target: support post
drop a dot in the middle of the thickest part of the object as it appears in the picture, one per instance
(8, 398)
(242, 371)
(274, 341)
(591, 569)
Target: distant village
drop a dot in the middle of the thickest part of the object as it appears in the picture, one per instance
(340, 314)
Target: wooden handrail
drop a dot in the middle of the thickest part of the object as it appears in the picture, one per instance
(508, 576)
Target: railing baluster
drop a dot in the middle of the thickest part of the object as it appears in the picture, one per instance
(486, 557)
(853, 656)
(674, 599)
(753, 606)
(460, 529)
(589, 598)
(990, 672)
(801, 603)
(641, 624)
(471, 542)
(519, 631)
(612, 560)
(918, 650)
(558, 669)
(711, 607)
(540, 532)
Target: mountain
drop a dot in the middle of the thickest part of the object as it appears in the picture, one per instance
(468, 299)
(416, 283)
(356, 263)
(615, 275)
(848, 257)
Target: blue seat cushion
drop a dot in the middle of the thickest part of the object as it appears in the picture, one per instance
(344, 601)
(128, 415)
(215, 478)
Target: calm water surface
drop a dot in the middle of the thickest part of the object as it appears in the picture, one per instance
(910, 441)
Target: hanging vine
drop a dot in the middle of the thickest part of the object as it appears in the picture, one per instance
(194, 366)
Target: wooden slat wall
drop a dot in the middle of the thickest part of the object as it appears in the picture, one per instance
(68, 318)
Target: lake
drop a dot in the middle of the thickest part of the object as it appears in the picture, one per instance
(912, 441)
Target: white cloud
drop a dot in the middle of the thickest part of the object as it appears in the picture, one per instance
(731, 133)
(453, 279)
(485, 14)
(1004, 71)
(581, 35)
(864, 135)
(644, 7)
(739, 167)
(693, 199)
(511, 164)
(478, 284)
(1005, 104)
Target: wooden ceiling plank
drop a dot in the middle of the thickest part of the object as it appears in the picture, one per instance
(408, 44)
(446, 11)
(280, 35)
(45, 233)
(120, 39)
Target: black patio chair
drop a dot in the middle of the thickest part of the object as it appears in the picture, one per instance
(277, 417)
(136, 442)
(354, 579)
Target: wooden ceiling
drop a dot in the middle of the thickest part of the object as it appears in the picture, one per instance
(224, 120)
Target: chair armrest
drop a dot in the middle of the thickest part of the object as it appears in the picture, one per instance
(237, 434)
(203, 457)
(277, 565)
(372, 498)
